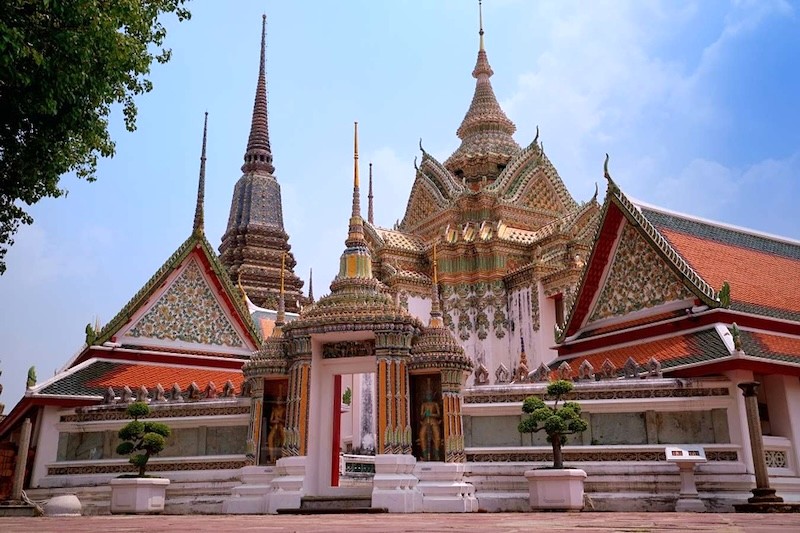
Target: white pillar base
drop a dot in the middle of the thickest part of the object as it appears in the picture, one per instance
(251, 496)
(394, 486)
(444, 489)
(688, 500)
(287, 487)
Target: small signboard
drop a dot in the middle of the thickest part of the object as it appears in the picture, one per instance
(685, 454)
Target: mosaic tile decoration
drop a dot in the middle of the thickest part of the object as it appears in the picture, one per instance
(188, 311)
(639, 278)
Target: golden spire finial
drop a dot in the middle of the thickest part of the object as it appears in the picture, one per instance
(480, 22)
(355, 154)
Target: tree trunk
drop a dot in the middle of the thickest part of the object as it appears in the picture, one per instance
(558, 462)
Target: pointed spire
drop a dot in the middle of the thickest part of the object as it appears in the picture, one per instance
(485, 130)
(436, 310)
(356, 196)
(311, 285)
(201, 185)
(356, 234)
(258, 155)
(355, 261)
(370, 211)
(480, 23)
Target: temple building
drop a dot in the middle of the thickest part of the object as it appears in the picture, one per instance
(402, 387)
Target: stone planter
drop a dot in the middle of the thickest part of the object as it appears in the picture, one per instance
(138, 494)
(558, 490)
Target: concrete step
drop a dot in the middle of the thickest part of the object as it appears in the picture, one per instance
(334, 505)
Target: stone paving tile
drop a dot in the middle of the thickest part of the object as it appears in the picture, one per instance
(434, 523)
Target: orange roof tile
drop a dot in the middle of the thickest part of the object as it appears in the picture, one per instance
(755, 277)
(670, 352)
(136, 375)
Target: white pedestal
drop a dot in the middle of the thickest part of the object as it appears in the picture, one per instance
(556, 489)
(443, 488)
(394, 486)
(689, 500)
(138, 494)
(287, 487)
(251, 496)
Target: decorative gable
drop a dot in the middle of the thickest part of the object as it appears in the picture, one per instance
(189, 312)
(539, 195)
(424, 202)
(638, 279)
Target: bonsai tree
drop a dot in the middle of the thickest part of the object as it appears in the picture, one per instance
(556, 421)
(141, 439)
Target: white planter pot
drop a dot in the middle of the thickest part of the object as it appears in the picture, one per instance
(138, 494)
(556, 489)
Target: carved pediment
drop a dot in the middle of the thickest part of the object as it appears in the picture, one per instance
(639, 278)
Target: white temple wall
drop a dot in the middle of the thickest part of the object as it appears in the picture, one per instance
(547, 322)
(783, 404)
(737, 417)
(47, 443)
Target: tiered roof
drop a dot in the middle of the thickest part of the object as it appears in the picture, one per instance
(684, 282)
(93, 378)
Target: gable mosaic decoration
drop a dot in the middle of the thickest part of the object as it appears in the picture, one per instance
(188, 311)
(638, 279)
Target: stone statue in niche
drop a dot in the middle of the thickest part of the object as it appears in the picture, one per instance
(277, 430)
(430, 434)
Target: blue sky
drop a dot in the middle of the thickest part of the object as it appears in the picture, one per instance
(697, 102)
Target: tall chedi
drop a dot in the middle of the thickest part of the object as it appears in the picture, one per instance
(255, 242)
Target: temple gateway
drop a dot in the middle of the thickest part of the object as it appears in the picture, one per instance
(401, 389)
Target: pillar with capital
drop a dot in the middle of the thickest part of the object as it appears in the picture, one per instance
(762, 493)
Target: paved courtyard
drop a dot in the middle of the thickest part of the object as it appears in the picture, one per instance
(391, 523)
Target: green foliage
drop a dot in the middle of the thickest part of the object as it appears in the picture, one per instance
(556, 421)
(347, 397)
(141, 439)
(62, 67)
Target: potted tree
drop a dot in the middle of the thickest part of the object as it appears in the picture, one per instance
(139, 493)
(556, 487)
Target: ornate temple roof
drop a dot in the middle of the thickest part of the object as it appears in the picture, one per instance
(674, 351)
(486, 132)
(93, 377)
(759, 268)
(195, 243)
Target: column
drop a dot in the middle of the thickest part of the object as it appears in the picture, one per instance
(256, 413)
(762, 493)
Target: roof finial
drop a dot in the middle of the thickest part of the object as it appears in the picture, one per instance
(356, 232)
(258, 155)
(480, 22)
(370, 210)
(356, 199)
(311, 285)
(201, 185)
(611, 185)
